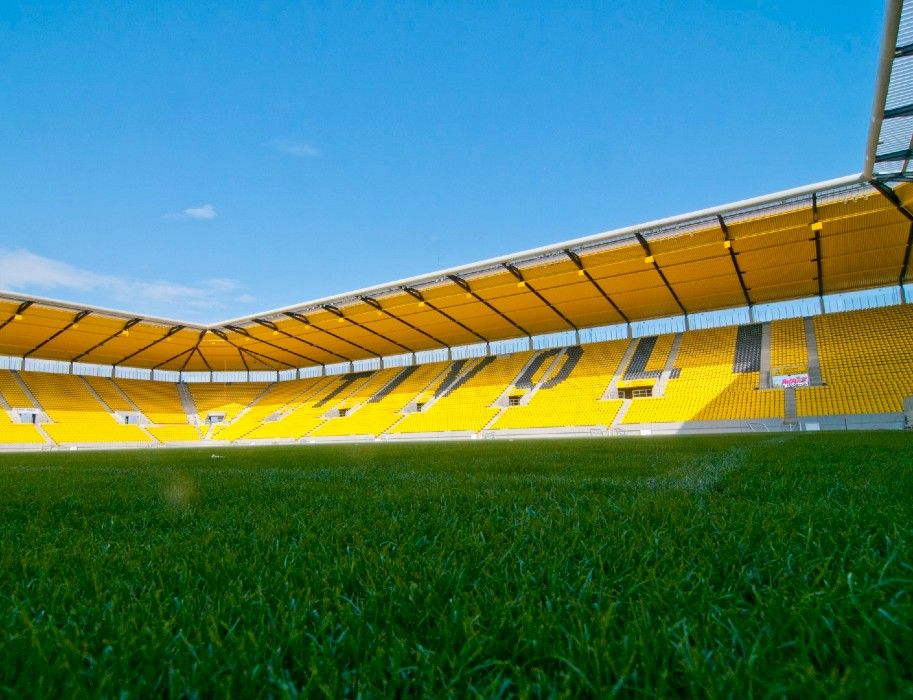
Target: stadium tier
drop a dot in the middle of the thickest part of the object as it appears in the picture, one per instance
(851, 364)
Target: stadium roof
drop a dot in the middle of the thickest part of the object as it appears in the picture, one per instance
(847, 234)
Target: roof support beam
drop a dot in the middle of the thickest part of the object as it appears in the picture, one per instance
(421, 298)
(895, 112)
(265, 359)
(196, 349)
(735, 263)
(172, 359)
(894, 155)
(579, 263)
(243, 360)
(76, 319)
(816, 227)
(224, 336)
(17, 314)
(247, 334)
(892, 197)
(273, 327)
(906, 258)
(303, 319)
(903, 51)
(662, 276)
(123, 331)
(171, 332)
(381, 310)
(339, 314)
(464, 285)
(515, 271)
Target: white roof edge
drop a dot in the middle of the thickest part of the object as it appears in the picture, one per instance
(75, 306)
(573, 243)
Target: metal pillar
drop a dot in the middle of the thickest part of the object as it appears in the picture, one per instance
(577, 336)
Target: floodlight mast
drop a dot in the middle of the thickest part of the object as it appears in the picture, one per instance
(882, 83)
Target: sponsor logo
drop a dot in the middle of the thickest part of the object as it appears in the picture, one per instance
(791, 380)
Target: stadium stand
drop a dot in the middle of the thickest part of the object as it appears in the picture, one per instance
(788, 351)
(279, 400)
(309, 411)
(661, 349)
(710, 375)
(12, 391)
(18, 433)
(224, 400)
(384, 408)
(76, 415)
(157, 401)
(12, 397)
(866, 363)
(110, 394)
(575, 400)
(467, 404)
(709, 387)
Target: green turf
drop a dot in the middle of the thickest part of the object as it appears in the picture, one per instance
(762, 566)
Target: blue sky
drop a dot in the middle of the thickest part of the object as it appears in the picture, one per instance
(203, 161)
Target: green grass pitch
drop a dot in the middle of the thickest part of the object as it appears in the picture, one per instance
(728, 566)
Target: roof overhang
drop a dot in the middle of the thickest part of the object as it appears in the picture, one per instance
(834, 236)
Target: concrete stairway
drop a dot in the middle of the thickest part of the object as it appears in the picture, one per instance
(765, 356)
(814, 364)
(660, 388)
(187, 403)
(622, 411)
(611, 391)
(790, 415)
(28, 392)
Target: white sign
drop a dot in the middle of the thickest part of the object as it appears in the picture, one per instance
(787, 380)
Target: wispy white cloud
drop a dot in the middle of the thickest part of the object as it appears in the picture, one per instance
(24, 271)
(299, 149)
(204, 212)
(207, 211)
